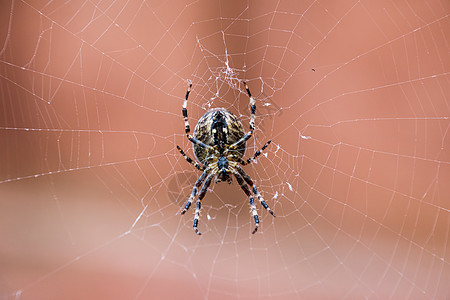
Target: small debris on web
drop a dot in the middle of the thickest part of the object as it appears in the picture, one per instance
(305, 137)
(289, 185)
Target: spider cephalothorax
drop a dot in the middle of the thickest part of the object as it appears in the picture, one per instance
(219, 145)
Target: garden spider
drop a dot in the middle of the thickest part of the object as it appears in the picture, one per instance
(219, 145)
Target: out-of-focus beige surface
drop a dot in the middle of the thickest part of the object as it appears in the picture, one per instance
(353, 94)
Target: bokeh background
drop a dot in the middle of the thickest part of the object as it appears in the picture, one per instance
(353, 94)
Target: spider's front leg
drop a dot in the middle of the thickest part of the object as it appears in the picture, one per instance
(246, 190)
(199, 201)
(194, 190)
(255, 191)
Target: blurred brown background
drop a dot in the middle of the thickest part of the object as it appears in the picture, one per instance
(353, 94)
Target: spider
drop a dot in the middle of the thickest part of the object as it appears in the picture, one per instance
(219, 145)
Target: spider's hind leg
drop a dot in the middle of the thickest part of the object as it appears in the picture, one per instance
(184, 111)
(249, 134)
(187, 128)
(252, 108)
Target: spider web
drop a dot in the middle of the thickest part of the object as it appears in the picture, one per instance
(353, 95)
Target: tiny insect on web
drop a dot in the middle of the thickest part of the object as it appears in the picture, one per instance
(219, 144)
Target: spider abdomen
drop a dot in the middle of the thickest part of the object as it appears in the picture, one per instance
(218, 127)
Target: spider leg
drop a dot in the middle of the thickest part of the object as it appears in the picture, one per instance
(252, 108)
(187, 128)
(252, 119)
(255, 191)
(190, 160)
(246, 190)
(184, 111)
(199, 201)
(194, 190)
(257, 153)
(235, 156)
